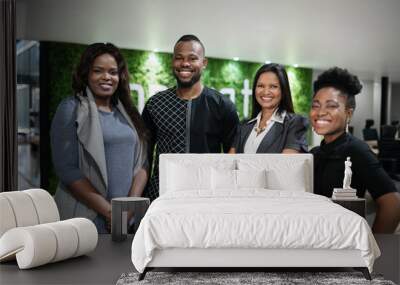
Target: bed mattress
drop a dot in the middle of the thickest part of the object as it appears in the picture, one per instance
(251, 219)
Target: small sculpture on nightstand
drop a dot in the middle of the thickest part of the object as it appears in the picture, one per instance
(347, 174)
(345, 193)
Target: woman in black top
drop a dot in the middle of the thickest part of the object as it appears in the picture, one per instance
(273, 127)
(332, 108)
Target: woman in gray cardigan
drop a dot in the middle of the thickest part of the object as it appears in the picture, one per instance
(273, 127)
(98, 139)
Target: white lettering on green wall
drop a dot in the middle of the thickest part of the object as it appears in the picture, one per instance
(154, 88)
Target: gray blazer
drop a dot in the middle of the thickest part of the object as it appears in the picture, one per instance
(92, 160)
(291, 134)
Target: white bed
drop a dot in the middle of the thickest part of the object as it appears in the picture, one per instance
(218, 210)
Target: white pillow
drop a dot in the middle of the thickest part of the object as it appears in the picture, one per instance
(184, 177)
(227, 179)
(251, 178)
(281, 180)
(282, 174)
(223, 179)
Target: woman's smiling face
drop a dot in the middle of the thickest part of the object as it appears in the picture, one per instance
(268, 91)
(329, 113)
(103, 76)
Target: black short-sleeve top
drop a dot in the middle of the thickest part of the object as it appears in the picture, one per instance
(368, 173)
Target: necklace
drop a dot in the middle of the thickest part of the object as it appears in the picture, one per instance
(259, 129)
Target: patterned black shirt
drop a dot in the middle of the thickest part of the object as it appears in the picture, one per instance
(165, 114)
(206, 124)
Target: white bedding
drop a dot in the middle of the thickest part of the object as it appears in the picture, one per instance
(251, 218)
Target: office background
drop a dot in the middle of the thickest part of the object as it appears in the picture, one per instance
(307, 36)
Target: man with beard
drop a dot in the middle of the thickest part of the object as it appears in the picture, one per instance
(188, 118)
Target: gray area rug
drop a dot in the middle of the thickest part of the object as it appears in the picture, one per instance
(229, 278)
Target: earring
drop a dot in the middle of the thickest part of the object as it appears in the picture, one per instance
(313, 129)
(347, 125)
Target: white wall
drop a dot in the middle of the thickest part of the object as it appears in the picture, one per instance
(313, 33)
(377, 102)
(364, 108)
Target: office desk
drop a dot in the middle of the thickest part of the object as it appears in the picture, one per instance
(102, 266)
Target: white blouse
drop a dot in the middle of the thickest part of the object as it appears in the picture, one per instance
(254, 140)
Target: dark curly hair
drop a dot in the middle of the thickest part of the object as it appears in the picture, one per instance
(190, 38)
(286, 97)
(342, 80)
(123, 92)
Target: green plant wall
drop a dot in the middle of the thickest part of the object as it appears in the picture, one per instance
(151, 71)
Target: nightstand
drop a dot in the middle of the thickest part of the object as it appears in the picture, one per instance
(357, 205)
(120, 220)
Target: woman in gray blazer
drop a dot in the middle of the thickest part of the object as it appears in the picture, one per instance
(98, 139)
(273, 126)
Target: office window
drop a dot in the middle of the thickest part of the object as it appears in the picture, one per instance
(28, 99)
